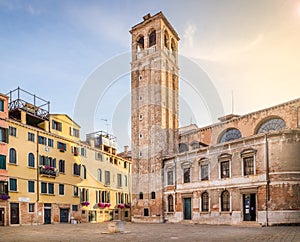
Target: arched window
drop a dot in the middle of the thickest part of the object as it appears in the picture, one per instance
(152, 38)
(204, 202)
(12, 156)
(152, 195)
(140, 44)
(31, 160)
(230, 134)
(166, 39)
(271, 125)
(225, 201)
(173, 47)
(141, 195)
(99, 175)
(83, 172)
(170, 204)
(183, 147)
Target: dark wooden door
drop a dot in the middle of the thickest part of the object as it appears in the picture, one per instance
(64, 215)
(47, 216)
(2, 221)
(14, 213)
(187, 211)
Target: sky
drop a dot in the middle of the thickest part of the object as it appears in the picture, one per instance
(247, 51)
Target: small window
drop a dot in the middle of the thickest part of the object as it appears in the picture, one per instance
(31, 207)
(3, 187)
(61, 188)
(31, 137)
(83, 171)
(146, 212)
(225, 201)
(31, 160)
(76, 192)
(50, 142)
(170, 178)
(50, 188)
(56, 125)
(83, 152)
(99, 175)
(152, 38)
(13, 184)
(204, 172)
(170, 203)
(12, 156)
(225, 169)
(119, 180)
(152, 195)
(76, 169)
(140, 136)
(3, 135)
(141, 195)
(140, 117)
(30, 186)
(186, 175)
(74, 132)
(107, 178)
(61, 166)
(3, 162)
(248, 166)
(61, 146)
(98, 156)
(43, 187)
(204, 202)
(1, 105)
(75, 208)
(12, 131)
(42, 140)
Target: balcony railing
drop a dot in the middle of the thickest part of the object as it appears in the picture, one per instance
(48, 171)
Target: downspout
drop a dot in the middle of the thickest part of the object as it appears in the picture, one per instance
(267, 178)
(163, 189)
(37, 178)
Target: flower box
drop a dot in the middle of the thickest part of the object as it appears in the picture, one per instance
(85, 203)
(127, 205)
(121, 205)
(4, 197)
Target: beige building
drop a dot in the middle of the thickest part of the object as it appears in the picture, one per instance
(244, 169)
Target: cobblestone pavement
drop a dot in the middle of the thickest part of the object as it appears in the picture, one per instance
(148, 232)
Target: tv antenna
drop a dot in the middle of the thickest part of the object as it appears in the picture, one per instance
(106, 123)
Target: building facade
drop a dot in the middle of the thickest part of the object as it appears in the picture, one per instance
(154, 113)
(244, 169)
(53, 176)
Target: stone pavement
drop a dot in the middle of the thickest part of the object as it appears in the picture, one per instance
(149, 232)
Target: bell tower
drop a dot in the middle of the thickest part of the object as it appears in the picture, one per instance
(154, 112)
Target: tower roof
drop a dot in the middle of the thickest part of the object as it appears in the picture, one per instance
(148, 18)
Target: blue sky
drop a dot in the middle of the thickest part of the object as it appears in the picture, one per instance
(250, 48)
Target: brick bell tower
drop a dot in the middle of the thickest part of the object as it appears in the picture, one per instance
(154, 112)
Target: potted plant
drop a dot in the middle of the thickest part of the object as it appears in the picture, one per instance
(121, 205)
(127, 205)
(101, 205)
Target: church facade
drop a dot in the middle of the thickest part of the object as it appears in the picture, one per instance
(244, 169)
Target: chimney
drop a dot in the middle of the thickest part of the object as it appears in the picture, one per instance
(147, 16)
(125, 148)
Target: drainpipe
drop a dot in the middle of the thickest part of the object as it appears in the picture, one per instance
(163, 189)
(267, 177)
(37, 178)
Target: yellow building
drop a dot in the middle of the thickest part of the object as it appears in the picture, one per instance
(53, 176)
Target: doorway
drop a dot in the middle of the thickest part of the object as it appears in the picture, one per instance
(14, 213)
(187, 211)
(47, 215)
(2, 221)
(64, 215)
(249, 207)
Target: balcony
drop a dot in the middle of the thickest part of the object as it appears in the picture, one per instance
(48, 171)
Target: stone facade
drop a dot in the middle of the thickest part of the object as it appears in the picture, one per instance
(244, 169)
(273, 185)
(154, 85)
